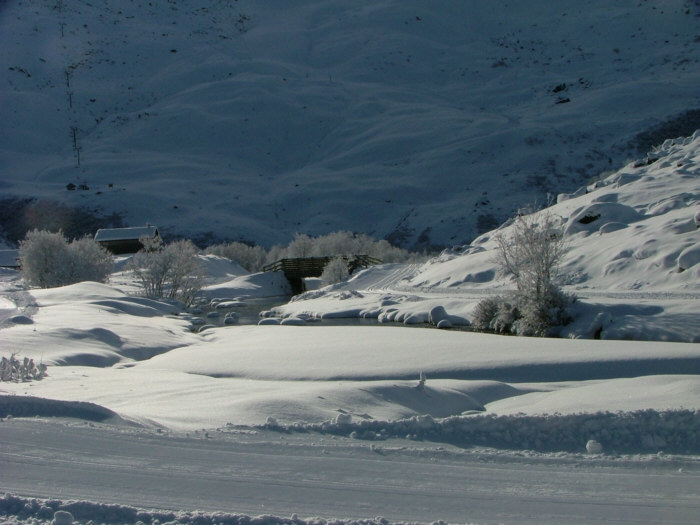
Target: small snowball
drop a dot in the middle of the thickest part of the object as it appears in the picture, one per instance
(594, 447)
(343, 419)
(62, 517)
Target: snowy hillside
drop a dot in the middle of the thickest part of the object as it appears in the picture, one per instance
(423, 122)
(147, 406)
(633, 260)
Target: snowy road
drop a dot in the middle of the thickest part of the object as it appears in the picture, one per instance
(312, 475)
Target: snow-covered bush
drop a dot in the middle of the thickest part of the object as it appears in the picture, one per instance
(531, 253)
(485, 312)
(171, 271)
(252, 258)
(13, 369)
(49, 260)
(342, 243)
(540, 314)
(335, 271)
(91, 262)
(301, 246)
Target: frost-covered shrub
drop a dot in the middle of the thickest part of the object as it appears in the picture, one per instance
(335, 271)
(519, 315)
(252, 258)
(171, 271)
(90, 261)
(49, 260)
(13, 369)
(540, 314)
(341, 243)
(485, 312)
(505, 317)
(531, 253)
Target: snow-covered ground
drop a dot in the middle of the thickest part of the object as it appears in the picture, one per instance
(424, 122)
(428, 122)
(632, 260)
(335, 375)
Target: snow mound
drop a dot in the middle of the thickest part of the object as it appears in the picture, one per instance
(29, 406)
(673, 431)
(17, 510)
(83, 324)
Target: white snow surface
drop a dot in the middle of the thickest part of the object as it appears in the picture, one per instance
(96, 338)
(352, 366)
(254, 120)
(634, 266)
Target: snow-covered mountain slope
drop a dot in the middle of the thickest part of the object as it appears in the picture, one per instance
(633, 258)
(423, 122)
(634, 230)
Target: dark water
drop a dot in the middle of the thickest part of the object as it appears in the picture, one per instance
(248, 312)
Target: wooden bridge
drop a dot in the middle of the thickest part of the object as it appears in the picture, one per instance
(297, 269)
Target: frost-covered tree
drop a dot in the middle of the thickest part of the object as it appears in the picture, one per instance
(171, 271)
(252, 258)
(90, 261)
(301, 246)
(531, 252)
(335, 271)
(47, 260)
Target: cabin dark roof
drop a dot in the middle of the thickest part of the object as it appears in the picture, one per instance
(125, 234)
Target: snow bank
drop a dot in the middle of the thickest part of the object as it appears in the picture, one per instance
(391, 352)
(15, 510)
(675, 431)
(29, 406)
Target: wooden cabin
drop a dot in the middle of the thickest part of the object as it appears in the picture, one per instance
(121, 241)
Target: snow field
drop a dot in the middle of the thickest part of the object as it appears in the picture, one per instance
(364, 379)
(639, 225)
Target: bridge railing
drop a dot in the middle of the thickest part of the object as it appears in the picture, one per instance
(302, 267)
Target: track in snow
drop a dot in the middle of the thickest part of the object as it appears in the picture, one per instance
(311, 475)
